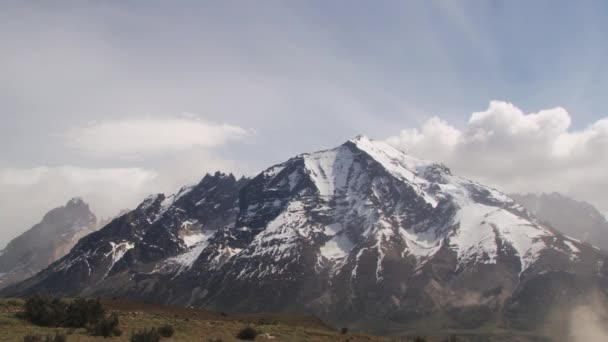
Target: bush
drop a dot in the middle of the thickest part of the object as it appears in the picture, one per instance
(419, 339)
(166, 330)
(82, 312)
(247, 333)
(49, 338)
(54, 312)
(45, 311)
(105, 326)
(32, 338)
(146, 336)
(344, 331)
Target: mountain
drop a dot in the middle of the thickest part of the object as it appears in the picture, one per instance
(103, 221)
(574, 218)
(46, 242)
(359, 235)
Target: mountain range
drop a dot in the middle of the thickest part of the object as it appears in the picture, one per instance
(360, 235)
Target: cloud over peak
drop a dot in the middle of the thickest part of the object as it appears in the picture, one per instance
(517, 151)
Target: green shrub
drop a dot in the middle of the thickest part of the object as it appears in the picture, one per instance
(146, 336)
(166, 330)
(105, 326)
(32, 338)
(54, 312)
(49, 338)
(344, 331)
(247, 333)
(419, 339)
(45, 311)
(82, 312)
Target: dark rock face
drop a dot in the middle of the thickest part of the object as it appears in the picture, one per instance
(580, 220)
(46, 242)
(360, 235)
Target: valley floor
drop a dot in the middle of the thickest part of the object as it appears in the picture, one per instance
(190, 325)
(194, 325)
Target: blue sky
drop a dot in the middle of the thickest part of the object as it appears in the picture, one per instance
(295, 76)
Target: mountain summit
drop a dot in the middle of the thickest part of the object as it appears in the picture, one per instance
(360, 234)
(46, 242)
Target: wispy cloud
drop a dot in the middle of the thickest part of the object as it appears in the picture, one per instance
(148, 136)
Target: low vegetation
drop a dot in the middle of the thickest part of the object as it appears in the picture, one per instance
(47, 311)
(183, 324)
(166, 330)
(146, 335)
(105, 326)
(49, 338)
(248, 333)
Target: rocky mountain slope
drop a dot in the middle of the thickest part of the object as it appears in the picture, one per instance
(46, 242)
(361, 234)
(574, 218)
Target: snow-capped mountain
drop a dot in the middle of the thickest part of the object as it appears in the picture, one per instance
(360, 234)
(46, 242)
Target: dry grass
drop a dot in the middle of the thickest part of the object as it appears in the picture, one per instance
(194, 325)
(190, 324)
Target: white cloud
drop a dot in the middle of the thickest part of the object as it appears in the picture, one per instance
(123, 177)
(147, 136)
(26, 194)
(519, 152)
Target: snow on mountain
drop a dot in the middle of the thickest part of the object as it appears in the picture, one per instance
(361, 232)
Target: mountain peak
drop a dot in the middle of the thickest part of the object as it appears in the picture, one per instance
(50, 239)
(381, 149)
(76, 202)
(360, 137)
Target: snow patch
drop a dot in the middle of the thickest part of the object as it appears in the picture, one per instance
(117, 253)
(119, 250)
(195, 239)
(273, 171)
(479, 225)
(572, 247)
(399, 164)
(185, 260)
(420, 245)
(294, 179)
(338, 247)
(332, 229)
(329, 170)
